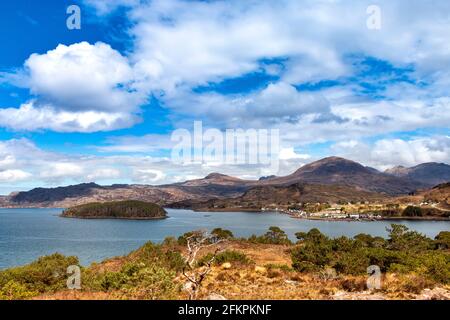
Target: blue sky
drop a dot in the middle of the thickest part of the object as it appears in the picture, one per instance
(101, 103)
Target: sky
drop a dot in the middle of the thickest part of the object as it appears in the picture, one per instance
(335, 78)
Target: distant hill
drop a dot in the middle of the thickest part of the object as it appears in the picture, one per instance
(339, 171)
(137, 210)
(328, 173)
(40, 195)
(428, 173)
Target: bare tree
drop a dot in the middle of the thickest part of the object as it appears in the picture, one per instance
(197, 241)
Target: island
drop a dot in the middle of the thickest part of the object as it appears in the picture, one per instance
(129, 210)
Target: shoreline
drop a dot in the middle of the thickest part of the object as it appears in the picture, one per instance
(437, 219)
(113, 218)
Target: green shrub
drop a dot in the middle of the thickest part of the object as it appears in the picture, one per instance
(442, 240)
(412, 211)
(313, 235)
(282, 267)
(231, 256)
(141, 281)
(369, 241)
(159, 255)
(351, 262)
(16, 291)
(400, 238)
(47, 274)
(220, 233)
(311, 257)
(274, 236)
(437, 266)
(404, 252)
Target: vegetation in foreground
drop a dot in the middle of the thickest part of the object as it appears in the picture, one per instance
(261, 267)
(130, 209)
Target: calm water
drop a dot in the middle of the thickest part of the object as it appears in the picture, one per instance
(26, 234)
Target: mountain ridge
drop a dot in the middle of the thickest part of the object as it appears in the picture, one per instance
(331, 171)
(431, 173)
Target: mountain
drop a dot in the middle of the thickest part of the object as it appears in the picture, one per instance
(214, 179)
(328, 173)
(54, 194)
(431, 173)
(340, 171)
(211, 187)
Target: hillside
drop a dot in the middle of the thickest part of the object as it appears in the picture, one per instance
(264, 196)
(133, 210)
(439, 194)
(429, 173)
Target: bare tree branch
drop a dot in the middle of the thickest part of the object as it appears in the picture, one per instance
(197, 241)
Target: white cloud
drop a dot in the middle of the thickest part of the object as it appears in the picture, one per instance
(289, 154)
(31, 118)
(148, 176)
(104, 174)
(83, 77)
(7, 160)
(81, 87)
(387, 153)
(278, 103)
(14, 175)
(61, 170)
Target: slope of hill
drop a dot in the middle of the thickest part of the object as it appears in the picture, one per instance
(264, 196)
(339, 171)
(439, 194)
(428, 173)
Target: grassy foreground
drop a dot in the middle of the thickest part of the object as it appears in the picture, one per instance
(260, 267)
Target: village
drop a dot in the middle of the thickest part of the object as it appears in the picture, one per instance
(327, 212)
(347, 211)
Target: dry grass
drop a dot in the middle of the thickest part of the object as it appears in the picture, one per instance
(269, 277)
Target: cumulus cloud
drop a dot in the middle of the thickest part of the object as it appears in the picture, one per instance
(387, 153)
(148, 176)
(277, 103)
(13, 175)
(104, 174)
(82, 87)
(83, 77)
(29, 117)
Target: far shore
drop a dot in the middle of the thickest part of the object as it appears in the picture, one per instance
(250, 210)
(231, 210)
